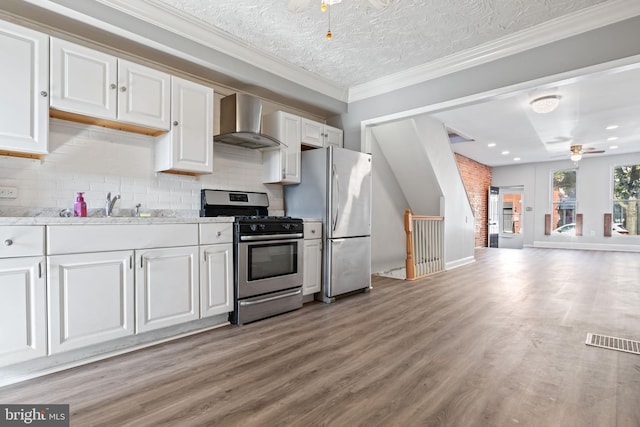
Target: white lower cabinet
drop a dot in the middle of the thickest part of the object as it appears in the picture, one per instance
(167, 291)
(90, 299)
(23, 333)
(312, 275)
(216, 279)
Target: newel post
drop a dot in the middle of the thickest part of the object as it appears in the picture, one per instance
(408, 228)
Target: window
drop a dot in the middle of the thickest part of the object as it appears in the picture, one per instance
(563, 201)
(626, 189)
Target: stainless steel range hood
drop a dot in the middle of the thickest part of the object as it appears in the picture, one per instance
(241, 123)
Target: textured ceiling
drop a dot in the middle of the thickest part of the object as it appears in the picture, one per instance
(370, 43)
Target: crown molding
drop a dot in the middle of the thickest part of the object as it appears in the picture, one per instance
(560, 28)
(182, 24)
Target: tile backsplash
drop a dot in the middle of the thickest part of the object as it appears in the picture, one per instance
(97, 160)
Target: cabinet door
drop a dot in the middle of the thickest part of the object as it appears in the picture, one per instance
(312, 277)
(282, 166)
(144, 95)
(189, 145)
(83, 80)
(333, 136)
(90, 298)
(167, 290)
(216, 279)
(291, 128)
(24, 85)
(312, 133)
(22, 310)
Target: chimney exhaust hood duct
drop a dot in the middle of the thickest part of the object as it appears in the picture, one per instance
(241, 123)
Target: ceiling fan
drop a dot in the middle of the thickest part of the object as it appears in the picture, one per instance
(577, 152)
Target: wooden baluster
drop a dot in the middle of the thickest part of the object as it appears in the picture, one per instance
(408, 228)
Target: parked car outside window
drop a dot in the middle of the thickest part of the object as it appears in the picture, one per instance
(570, 229)
(566, 230)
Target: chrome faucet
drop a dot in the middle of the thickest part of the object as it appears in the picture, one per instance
(108, 209)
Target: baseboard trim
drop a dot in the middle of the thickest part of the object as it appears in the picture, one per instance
(459, 263)
(587, 246)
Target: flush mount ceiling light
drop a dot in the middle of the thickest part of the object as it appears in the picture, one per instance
(545, 104)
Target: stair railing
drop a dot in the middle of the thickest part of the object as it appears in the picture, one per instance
(425, 244)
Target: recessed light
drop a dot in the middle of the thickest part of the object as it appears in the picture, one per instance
(613, 147)
(517, 159)
(612, 127)
(612, 138)
(504, 153)
(491, 144)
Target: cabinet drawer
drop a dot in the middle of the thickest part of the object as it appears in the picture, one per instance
(312, 230)
(21, 240)
(69, 239)
(211, 234)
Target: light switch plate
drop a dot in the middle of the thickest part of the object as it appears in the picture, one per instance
(8, 192)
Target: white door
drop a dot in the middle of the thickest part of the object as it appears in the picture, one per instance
(167, 291)
(291, 137)
(312, 277)
(83, 80)
(216, 280)
(493, 216)
(511, 217)
(23, 333)
(24, 85)
(312, 132)
(90, 298)
(192, 126)
(144, 95)
(333, 136)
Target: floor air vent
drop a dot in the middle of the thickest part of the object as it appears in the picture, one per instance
(613, 343)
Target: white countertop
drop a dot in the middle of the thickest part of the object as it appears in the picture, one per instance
(44, 220)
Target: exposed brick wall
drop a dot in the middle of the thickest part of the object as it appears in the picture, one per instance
(477, 180)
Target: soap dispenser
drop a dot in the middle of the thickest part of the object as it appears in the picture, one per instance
(80, 207)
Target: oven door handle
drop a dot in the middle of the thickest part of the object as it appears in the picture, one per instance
(260, 301)
(271, 237)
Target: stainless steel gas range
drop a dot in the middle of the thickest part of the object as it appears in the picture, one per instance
(267, 254)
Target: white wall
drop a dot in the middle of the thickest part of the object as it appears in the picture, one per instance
(423, 170)
(98, 160)
(459, 227)
(388, 246)
(594, 191)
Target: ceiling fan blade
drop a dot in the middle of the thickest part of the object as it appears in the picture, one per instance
(593, 152)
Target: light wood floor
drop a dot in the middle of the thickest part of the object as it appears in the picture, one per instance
(496, 343)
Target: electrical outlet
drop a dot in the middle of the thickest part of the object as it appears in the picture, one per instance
(8, 192)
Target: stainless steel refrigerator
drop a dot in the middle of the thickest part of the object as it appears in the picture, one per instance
(335, 185)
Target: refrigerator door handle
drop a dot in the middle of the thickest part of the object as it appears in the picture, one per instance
(336, 178)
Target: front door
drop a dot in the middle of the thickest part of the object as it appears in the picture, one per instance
(493, 217)
(510, 217)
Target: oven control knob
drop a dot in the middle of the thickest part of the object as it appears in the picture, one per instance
(253, 227)
(286, 226)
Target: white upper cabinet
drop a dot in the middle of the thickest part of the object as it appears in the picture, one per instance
(282, 165)
(144, 95)
(188, 147)
(83, 81)
(333, 136)
(94, 84)
(316, 134)
(312, 133)
(24, 85)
